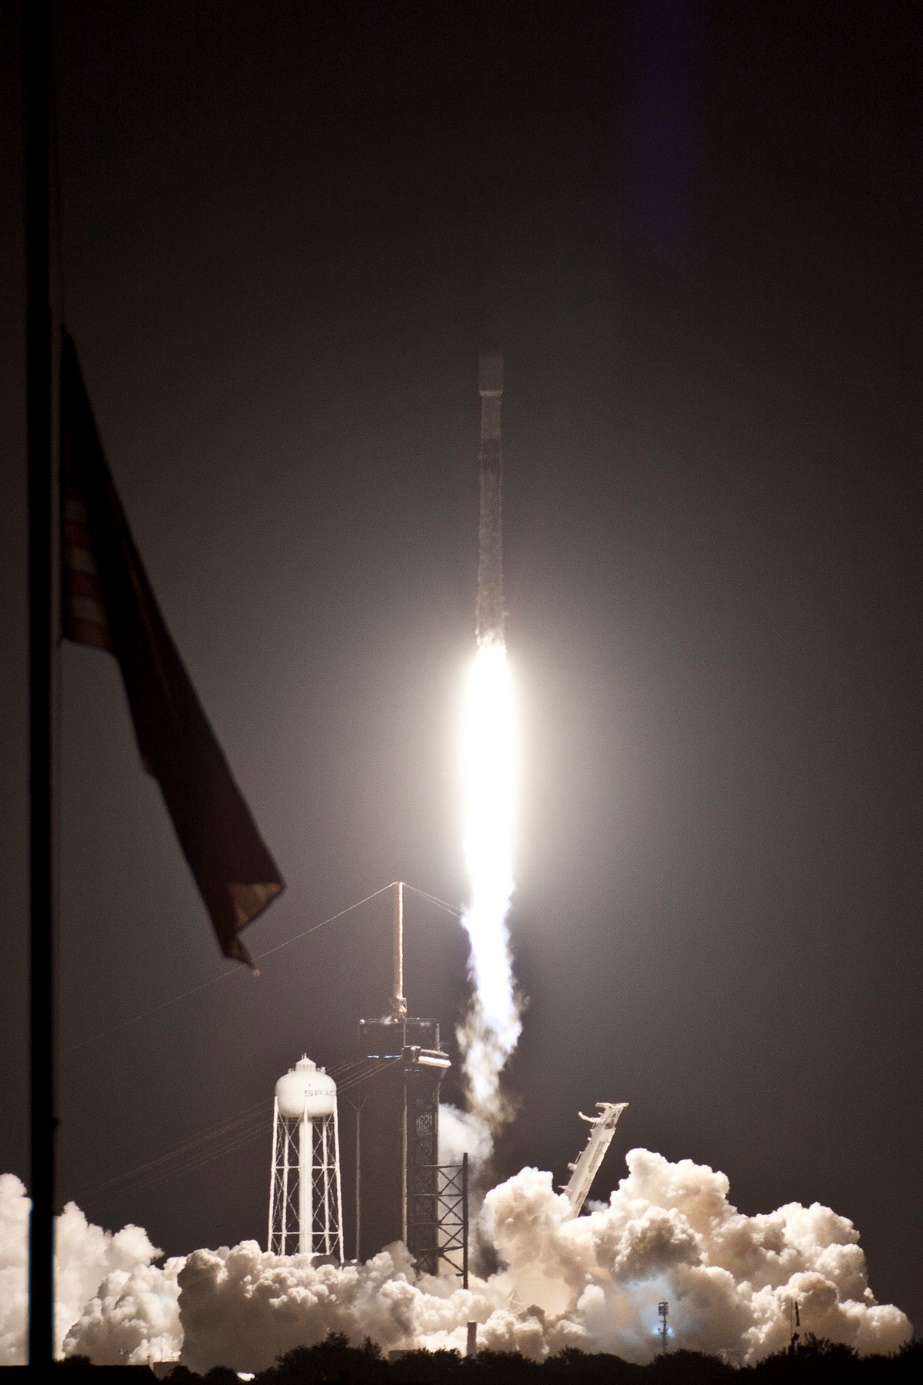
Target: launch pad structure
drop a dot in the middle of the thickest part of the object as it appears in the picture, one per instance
(397, 1105)
(403, 1193)
(585, 1168)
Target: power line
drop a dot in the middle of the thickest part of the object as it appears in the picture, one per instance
(200, 1149)
(220, 1130)
(188, 1165)
(434, 899)
(224, 976)
(260, 956)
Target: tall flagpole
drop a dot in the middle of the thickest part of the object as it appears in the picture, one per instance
(36, 32)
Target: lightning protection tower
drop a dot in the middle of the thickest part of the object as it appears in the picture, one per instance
(663, 1308)
(305, 1197)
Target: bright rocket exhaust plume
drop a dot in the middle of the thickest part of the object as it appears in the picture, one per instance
(492, 1027)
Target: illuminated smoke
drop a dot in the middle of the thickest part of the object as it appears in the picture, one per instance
(127, 1305)
(463, 1132)
(492, 1027)
(668, 1231)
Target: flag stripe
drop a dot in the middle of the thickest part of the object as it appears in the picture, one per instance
(83, 608)
(80, 561)
(90, 633)
(82, 584)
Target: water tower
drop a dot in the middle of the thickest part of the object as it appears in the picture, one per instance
(305, 1198)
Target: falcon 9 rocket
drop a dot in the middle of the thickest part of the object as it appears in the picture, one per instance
(490, 561)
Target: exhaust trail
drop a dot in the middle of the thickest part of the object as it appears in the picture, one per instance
(492, 1026)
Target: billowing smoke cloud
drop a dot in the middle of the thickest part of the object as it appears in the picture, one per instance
(133, 1317)
(594, 1282)
(669, 1232)
(92, 1267)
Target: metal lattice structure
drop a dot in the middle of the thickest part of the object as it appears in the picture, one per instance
(453, 1217)
(663, 1308)
(399, 1136)
(399, 1183)
(305, 1199)
(421, 1096)
(440, 1218)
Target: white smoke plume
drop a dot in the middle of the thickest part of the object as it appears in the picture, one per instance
(463, 1132)
(492, 1027)
(89, 1262)
(667, 1232)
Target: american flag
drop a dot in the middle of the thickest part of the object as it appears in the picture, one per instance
(108, 603)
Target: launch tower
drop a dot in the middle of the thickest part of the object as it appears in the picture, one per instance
(602, 1128)
(397, 1159)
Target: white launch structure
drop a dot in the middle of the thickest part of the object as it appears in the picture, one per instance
(602, 1128)
(305, 1195)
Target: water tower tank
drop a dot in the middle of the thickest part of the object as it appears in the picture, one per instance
(306, 1090)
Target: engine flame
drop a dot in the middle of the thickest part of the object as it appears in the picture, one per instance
(492, 1027)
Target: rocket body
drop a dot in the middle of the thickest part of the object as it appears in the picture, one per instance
(490, 613)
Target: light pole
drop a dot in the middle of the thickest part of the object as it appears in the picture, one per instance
(663, 1308)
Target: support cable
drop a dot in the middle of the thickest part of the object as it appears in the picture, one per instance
(189, 1147)
(215, 1141)
(213, 981)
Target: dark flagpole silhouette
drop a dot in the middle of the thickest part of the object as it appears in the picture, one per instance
(105, 601)
(40, 412)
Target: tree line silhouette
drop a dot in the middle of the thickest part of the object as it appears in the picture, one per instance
(815, 1361)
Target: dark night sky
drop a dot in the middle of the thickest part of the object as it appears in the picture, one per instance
(696, 231)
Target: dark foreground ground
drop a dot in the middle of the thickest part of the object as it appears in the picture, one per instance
(336, 1362)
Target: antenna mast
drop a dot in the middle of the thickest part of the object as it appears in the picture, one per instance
(663, 1308)
(398, 999)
